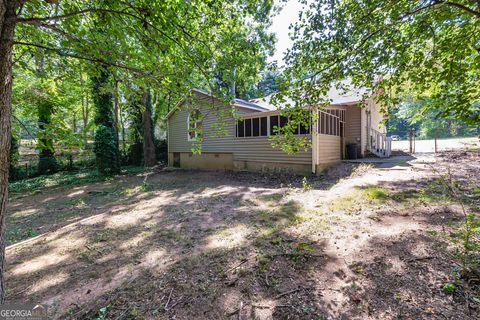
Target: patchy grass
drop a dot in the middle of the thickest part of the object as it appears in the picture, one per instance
(20, 233)
(433, 193)
(360, 198)
(376, 193)
(348, 204)
(65, 178)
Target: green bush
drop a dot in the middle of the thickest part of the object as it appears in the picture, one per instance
(161, 150)
(134, 154)
(106, 151)
(47, 164)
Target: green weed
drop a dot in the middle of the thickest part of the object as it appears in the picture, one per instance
(102, 312)
(306, 186)
(449, 288)
(376, 193)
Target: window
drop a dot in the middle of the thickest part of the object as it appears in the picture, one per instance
(194, 124)
(248, 127)
(297, 130)
(241, 128)
(256, 127)
(273, 125)
(263, 127)
(259, 127)
(304, 130)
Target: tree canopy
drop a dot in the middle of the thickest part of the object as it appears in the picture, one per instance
(428, 48)
(132, 60)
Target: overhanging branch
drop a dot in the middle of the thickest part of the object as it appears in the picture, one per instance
(62, 52)
(463, 7)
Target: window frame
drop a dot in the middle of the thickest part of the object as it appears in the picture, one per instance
(189, 138)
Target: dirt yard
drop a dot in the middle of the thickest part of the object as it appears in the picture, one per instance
(361, 242)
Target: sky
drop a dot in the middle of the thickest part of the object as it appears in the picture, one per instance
(287, 16)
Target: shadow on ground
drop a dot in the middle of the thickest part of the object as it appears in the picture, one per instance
(203, 245)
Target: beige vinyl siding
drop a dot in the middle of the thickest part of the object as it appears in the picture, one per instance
(370, 111)
(328, 148)
(353, 124)
(377, 117)
(224, 141)
(260, 149)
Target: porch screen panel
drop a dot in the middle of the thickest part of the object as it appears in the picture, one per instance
(248, 127)
(240, 128)
(256, 127)
(263, 126)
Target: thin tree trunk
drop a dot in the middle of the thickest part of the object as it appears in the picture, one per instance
(149, 156)
(7, 30)
(74, 122)
(84, 109)
(122, 127)
(115, 111)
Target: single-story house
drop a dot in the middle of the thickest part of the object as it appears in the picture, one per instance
(235, 136)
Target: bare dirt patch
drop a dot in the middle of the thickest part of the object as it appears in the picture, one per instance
(357, 243)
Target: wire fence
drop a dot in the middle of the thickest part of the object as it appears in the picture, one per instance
(31, 166)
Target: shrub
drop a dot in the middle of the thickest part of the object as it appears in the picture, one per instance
(106, 151)
(161, 150)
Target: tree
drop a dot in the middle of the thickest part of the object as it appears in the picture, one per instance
(427, 48)
(170, 45)
(428, 123)
(149, 157)
(106, 139)
(8, 13)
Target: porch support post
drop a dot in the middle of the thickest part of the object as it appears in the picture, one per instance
(314, 131)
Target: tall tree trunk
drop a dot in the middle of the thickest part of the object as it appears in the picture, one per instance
(85, 118)
(7, 30)
(84, 110)
(106, 142)
(122, 128)
(149, 156)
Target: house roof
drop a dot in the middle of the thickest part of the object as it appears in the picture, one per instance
(249, 105)
(336, 96)
(236, 102)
